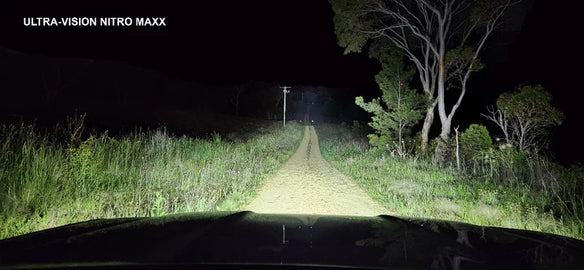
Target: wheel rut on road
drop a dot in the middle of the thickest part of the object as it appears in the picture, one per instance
(307, 184)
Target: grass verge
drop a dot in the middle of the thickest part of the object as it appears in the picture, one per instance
(45, 183)
(416, 188)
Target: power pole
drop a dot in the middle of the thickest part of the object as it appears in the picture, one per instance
(286, 91)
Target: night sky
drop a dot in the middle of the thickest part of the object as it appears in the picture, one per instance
(292, 43)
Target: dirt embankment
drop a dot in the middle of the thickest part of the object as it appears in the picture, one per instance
(307, 184)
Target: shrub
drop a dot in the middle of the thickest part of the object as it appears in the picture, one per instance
(380, 142)
(80, 159)
(475, 143)
(447, 156)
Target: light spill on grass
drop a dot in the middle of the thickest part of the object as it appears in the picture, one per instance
(423, 190)
(43, 184)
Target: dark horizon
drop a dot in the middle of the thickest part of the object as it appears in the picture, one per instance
(287, 42)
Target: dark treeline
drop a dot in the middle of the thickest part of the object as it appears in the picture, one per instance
(118, 97)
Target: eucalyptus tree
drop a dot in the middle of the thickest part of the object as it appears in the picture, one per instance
(526, 116)
(442, 39)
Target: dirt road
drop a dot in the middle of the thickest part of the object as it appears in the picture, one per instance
(306, 184)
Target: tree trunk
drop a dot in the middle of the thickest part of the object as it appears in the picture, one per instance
(457, 150)
(441, 147)
(445, 132)
(427, 125)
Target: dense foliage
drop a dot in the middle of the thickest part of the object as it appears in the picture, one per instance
(527, 116)
(475, 143)
(397, 111)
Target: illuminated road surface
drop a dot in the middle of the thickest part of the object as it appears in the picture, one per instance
(307, 184)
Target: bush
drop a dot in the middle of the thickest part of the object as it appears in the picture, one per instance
(447, 150)
(80, 159)
(380, 142)
(475, 143)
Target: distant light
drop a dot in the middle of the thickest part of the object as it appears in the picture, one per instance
(401, 84)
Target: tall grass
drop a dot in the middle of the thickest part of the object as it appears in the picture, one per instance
(418, 188)
(45, 182)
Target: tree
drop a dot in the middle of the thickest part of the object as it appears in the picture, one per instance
(526, 116)
(442, 39)
(401, 108)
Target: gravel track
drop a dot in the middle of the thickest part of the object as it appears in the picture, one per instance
(307, 184)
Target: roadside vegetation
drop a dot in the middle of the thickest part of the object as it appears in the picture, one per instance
(509, 179)
(67, 175)
(498, 187)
